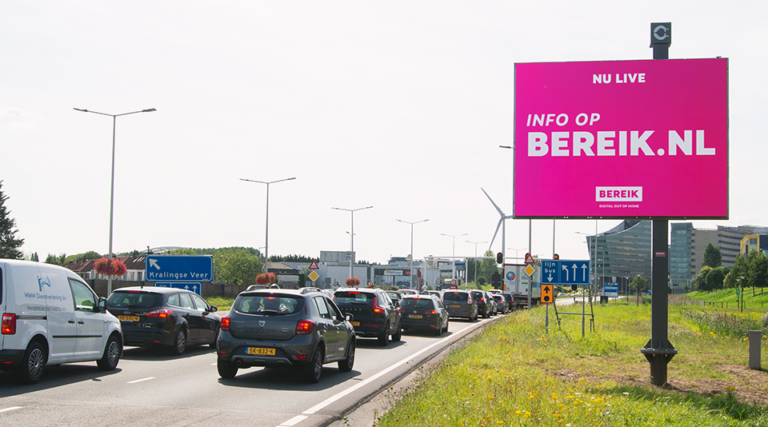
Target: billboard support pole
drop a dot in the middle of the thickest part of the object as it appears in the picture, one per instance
(659, 351)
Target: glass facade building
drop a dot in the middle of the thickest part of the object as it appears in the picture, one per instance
(622, 253)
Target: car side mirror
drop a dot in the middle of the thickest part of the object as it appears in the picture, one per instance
(349, 317)
(214, 308)
(102, 305)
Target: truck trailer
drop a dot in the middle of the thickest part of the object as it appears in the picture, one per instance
(518, 284)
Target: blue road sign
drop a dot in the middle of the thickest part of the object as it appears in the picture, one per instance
(564, 272)
(190, 286)
(178, 268)
(611, 289)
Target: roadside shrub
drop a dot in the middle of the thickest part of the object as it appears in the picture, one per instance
(724, 324)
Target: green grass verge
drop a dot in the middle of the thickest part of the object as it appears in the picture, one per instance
(514, 374)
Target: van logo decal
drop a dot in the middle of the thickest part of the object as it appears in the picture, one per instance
(262, 323)
(41, 282)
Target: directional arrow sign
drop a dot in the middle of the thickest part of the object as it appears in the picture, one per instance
(565, 272)
(179, 268)
(194, 287)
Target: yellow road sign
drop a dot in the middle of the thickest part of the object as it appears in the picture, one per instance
(529, 270)
(313, 276)
(546, 294)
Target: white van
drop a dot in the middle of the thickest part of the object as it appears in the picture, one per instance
(51, 316)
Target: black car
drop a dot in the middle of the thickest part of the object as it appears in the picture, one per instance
(396, 297)
(424, 312)
(285, 328)
(374, 314)
(483, 307)
(170, 317)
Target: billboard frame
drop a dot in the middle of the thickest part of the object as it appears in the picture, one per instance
(726, 216)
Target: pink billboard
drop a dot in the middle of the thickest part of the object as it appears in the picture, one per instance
(622, 139)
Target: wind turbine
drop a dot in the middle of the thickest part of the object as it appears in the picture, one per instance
(503, 224)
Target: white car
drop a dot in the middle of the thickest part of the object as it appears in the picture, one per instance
(51, 316)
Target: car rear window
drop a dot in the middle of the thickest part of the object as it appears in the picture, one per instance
(477, 294)
(269, 305)
(455, 296)
(417, 303)
(134, 299)
(353, 297)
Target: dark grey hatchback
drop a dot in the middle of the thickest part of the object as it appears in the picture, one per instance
(276, 327)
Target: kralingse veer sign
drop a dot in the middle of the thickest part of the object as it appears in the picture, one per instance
(624, 139)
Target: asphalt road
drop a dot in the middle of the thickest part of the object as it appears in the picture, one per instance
(151, 387)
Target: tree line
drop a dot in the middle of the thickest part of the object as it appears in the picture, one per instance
(748, 271)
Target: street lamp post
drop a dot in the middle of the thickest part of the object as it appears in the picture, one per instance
(453, 254)
(352, 232)
(474, 261)
(410, 261)
(266, 233)
(112, 185)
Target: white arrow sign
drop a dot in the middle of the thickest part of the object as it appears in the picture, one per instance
(153, 263)
(574, 271)
(550, 277)
(194, 288)
(566, 273)
(584, 272)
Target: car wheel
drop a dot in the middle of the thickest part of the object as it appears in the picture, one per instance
(112, 351)
(347, 364)
(396, 337)
(226, 369)
(487, 314)
(439, 330)
(312, 370)
(180, 343)
(33, 364)
(215, 338)
(384, 336)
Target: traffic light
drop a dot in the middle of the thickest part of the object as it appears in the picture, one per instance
(499, 258)
(557, 256)
(574, 287)
(496, 280)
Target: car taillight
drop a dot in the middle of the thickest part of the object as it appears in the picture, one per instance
(430, 312)
(163, 313)
(376, 308)
(469, 300)
(9, 324)
(482, 299)
(225, 324)
(305, 327)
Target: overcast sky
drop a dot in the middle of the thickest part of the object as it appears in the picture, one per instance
(399, 105)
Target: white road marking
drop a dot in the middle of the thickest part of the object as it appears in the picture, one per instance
(293, 421)
(143, 379)
(364, 383)
(10, 409)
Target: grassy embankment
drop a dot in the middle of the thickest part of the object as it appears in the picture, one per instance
(515, 374)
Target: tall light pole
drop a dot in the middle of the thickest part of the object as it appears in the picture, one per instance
(474, 261)
(453, 254)
(112, 185)
(266, 233)
(516, 251)
(352, 254)
(410, 261)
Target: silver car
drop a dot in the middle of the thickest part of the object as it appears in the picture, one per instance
(277, 327)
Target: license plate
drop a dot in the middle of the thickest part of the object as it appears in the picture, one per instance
(355, 323)
(455, 306)
(129, 318)
(261, 351)
(414, 316)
